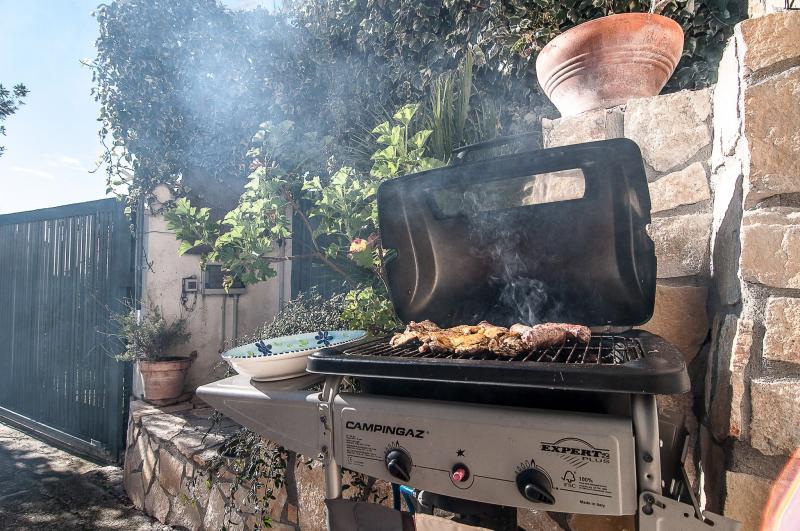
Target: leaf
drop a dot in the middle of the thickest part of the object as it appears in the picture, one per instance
(184, 248)
(406, 113)
(419, 139)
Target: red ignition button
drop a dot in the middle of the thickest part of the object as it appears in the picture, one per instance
(460, 473)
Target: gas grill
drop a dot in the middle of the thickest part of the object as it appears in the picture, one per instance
(555, 235)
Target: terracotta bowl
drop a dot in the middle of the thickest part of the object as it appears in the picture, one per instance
(608, 61)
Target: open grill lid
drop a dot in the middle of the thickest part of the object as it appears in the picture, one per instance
(552, 235)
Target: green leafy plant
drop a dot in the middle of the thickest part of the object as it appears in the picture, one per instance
(339, 211)
(150, 337)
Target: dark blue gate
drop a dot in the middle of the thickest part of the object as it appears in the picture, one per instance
(63, 271)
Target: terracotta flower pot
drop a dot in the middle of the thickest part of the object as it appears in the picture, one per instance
(163, 380)
(608, 61)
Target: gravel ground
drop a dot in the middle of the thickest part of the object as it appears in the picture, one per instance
(44, 488)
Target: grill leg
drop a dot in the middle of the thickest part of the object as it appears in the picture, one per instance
(648, 446)
(333, 474)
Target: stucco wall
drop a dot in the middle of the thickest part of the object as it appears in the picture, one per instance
(162, 284)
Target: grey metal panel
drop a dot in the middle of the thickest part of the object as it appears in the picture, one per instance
(588, 458)
(63, 271)
(281, 411)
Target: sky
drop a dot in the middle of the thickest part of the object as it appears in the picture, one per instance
(51, 142)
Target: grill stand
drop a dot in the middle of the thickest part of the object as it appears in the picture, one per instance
(283, 412)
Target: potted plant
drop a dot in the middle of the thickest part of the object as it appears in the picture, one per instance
(609, 60)
(148, 340)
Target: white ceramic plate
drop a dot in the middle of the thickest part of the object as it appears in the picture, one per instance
(284, 357)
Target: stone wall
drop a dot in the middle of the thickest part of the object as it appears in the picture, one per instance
(752, 395)
(724, 171)
(167, 475)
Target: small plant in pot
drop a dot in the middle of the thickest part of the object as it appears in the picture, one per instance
(609, 60)
(148, 341)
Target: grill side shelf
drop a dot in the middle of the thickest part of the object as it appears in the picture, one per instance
(647, 365)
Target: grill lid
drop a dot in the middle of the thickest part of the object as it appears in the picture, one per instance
(553, 235)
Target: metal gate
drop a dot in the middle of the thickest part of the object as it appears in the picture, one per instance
(63, 271)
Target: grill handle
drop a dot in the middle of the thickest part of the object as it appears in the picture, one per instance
(460, 153)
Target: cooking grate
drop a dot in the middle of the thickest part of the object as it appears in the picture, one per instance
(601, 350)
(632, 362)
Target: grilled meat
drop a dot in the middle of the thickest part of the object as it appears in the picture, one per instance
(468, 339)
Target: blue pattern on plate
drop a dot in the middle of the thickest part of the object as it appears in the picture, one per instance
(277, 346)
(324, 338)
(263, 348)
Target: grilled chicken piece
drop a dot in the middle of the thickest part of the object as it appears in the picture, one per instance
(468, 339)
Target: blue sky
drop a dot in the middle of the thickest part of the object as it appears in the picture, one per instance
(51, 143)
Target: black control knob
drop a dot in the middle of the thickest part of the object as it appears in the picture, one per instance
(398, 463)
(534, 485)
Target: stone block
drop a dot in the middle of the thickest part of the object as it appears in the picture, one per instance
(191, 440)
(133, 458)
(680, 317)
(530, 520)
(215, 510)
(589, 126)
(186, 514)
(782, 323)
(163, 427)
(670, 129)
(769, 41)
(156, 503)
(745, 498)
(772, 128)
(725, 376)
(170, 472)
(775, 418)
(140, 408)
(740, 357)
(310, 496)
(771, 247)
(684, 187)
(149, 459)
(135, 489)
(681, 244)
